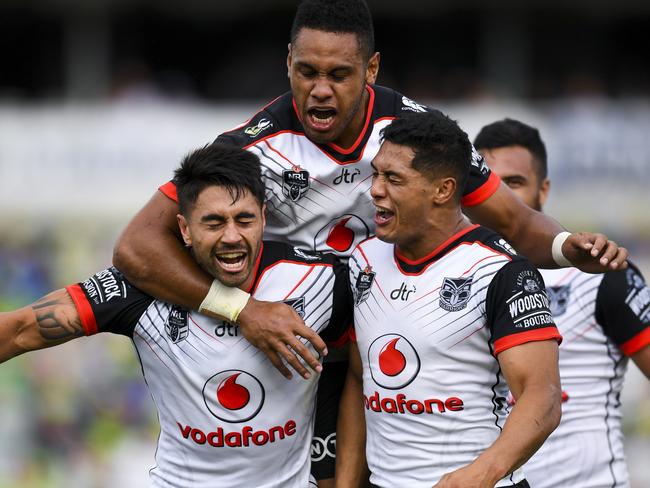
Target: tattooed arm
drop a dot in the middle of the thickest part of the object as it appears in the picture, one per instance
(50, 321)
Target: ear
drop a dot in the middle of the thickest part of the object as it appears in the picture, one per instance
(444, 190)
(289, 60)
(263, 216)
(185, 231)
(544, 189)
(372, 70)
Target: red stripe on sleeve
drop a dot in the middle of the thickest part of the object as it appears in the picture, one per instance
(86, 313)
(352, 335)
(169, 190)
(341, 341)
(483, 192)
(638, 342)
(520, 338)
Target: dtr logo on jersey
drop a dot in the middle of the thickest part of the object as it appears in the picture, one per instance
(295, 183)
(559, 299)
(363, 285)
(393, 361)
(455, 293)
(176, 324)
(233, 396)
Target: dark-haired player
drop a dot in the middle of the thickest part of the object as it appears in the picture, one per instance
(605, 320)
(315, 144)
(227, 417)
(438, 333)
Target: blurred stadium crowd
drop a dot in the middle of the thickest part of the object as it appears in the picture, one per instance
(101, 99)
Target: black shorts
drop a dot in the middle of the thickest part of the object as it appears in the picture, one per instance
(521, 484)
(323, 446)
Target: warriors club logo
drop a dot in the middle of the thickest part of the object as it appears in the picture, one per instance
(394, 362)
(455, 293)
(233, 396)
(559, 299)
(295, 183)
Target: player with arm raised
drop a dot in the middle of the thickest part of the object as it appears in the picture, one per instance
(605, 320)
(227, 417)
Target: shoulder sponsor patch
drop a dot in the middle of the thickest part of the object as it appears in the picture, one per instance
(478, 161)
(257, 129)
(176, 325)
(558, 297)
(638, 296)
(295, 183)
(105, 286)
(411, 106)
(455, 293)
(306, 255)
(503, 244)
(363, 285)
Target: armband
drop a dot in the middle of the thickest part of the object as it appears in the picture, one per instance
(224, 301)
(556, 250)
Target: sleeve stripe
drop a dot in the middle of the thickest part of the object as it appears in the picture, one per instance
(520, 338)
(352, 335)
(86, 313)
(638, 342)
(169, 190)
(483, 192)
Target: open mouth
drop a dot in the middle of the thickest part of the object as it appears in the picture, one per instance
(383, 216)
(232, 261)
(321, 118)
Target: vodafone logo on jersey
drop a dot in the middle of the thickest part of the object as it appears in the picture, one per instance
(394, 362)
(233, 396)
(342, 234)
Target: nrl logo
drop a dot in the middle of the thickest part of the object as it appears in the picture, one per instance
(295, 183)
(176, 325)
(455, 293)
(298, 304)
(363, 285)
(261, 126)
(559, 299)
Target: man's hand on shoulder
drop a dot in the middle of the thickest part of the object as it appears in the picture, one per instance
(594, 253)
(276, 329)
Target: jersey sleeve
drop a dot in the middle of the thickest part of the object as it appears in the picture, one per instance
(481, 182)
(107, 302)
(623, 309)
(517, 307)
(337, 332)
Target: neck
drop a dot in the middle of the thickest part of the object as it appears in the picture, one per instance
(442, 225)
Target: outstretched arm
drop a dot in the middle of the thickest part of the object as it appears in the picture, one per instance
(50, 321)
(532, 234)
(531, 371)
(151, 254)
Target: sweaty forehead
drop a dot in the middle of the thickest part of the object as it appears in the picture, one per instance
(394, 157)
(218, 200)
(510, 161)
(313, 45)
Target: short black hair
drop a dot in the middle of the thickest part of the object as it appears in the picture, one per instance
(218, 164)
(511, 132)
(338, 16)
(441, 147)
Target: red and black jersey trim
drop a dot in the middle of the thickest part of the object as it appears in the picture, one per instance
(84, 309)
(470, 235)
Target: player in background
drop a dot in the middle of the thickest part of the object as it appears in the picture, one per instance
(604, 319)
(315, 144)
(446, 318)
(227, 417)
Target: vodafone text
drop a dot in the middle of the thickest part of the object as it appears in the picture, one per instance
(400, 404)
(244, 438)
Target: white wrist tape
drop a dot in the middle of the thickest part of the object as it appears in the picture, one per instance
(224, 301)
(556, 250)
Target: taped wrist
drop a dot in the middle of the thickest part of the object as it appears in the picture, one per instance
(556, 250)
(224, 301)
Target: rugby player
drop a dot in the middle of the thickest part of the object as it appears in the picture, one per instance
(315, 143)
(446, 318)
(227, 417)
(605, 320)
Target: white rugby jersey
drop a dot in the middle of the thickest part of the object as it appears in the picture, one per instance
(428, 333)
(228, 418)
(318, 195)
(603, 318)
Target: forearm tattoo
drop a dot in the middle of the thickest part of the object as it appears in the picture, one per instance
(57, 319)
